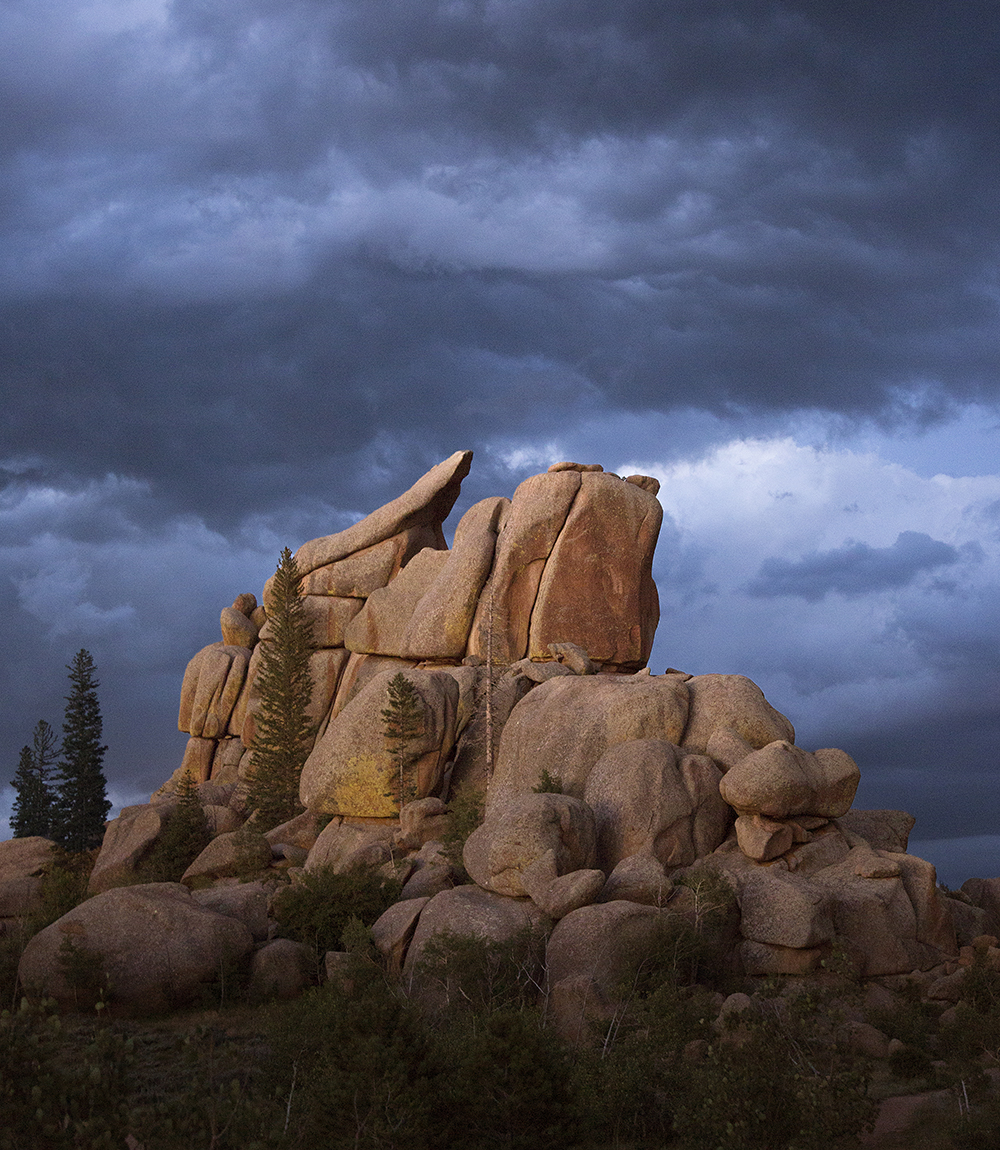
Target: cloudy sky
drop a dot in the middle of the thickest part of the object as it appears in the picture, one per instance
(261, 265)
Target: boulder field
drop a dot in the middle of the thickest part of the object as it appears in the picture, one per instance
(613, 796)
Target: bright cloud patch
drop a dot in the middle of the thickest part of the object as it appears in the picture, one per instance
(758, 533)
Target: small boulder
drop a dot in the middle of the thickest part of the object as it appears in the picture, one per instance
(525, 829)
(22, 864)
(780, 910)
(422, 821)
(639, 878)
(238, 630)
(345, 846)
(281, 970)
(233, 854)
(393, 931)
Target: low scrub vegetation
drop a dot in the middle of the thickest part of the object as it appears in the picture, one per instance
(354, 1064)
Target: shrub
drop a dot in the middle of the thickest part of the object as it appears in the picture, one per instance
(183, 838)
(466, 808)
(316, 908)
(483, 975)
(548, 784)
(768, 1091)
(64, 886)
(510, 1084)
(60, 1093)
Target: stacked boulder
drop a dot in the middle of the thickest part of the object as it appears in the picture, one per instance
(567, 560)
(525, 646)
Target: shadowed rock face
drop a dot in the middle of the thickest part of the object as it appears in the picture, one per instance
(155, 945)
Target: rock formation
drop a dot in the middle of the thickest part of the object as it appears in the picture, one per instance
(526, 644)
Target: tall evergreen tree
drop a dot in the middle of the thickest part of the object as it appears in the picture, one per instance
(403, 721)
(82, 804)
(283, 732)
(34, 802)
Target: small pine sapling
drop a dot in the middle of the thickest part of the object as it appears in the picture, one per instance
(183, 838)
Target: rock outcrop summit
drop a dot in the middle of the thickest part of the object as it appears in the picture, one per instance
(526, 643)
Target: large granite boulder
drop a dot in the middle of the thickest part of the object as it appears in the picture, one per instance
(603, 943)
(353, 769)
(363, 572)
(535, 518)
(554, 831)
(440, 624)
(649, 797)
(127, 840)
(597, 587)
(152, 948)
(380, 627)
(566, 724)
(212, 684)
(425, 504)
(780, 781)
(732, 710)
(468, 912)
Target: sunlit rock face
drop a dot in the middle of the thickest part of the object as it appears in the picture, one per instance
(525, 646)
(564, 566)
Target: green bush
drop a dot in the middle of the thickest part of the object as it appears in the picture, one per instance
(975, 1034)
(466, 809)
(548, 784)
(510, 1084)
(484, 975)
(316, 908)
(770, 1089)
(351, 1070)
(909, 1063)
(64, 885)
(183, 838)
(57, 1091)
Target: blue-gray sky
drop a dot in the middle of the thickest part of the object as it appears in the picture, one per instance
(263, 264)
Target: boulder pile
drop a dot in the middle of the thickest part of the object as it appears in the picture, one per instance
(613, 797)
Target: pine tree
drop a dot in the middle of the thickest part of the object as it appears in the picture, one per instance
(30, 813)
(183, 838)
(81, 803)
(34, 801)
(283, 732)
(403, 720)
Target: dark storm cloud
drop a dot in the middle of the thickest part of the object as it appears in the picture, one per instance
(854, 569)
(762, 206)
(263, 264)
